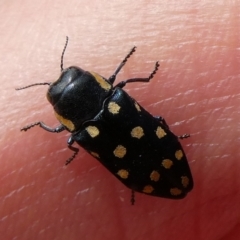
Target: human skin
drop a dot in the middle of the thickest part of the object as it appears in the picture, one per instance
(196, 90)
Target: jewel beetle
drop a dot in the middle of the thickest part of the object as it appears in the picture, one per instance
(136, 147)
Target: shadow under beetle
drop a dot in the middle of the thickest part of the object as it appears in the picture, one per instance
(134, 146)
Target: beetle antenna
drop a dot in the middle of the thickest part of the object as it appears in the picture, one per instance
(64, 49)
(35, 84)
(48, 83)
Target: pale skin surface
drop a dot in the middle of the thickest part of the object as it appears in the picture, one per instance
(196, 90)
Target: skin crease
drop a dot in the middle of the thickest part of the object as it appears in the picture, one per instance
(196, 90)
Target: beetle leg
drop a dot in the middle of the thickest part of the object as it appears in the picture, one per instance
(58, 129)
(74, 149)
(184, 136)
(113, 77)
(162, 120)
(123, 83)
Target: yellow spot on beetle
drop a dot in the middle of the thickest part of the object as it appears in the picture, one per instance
(120, 151)
(101, 81)
(92, 131)
(65, 122)
(179, 154)
(113, 108)
(137, 132)
(160, 132)
(185, 181)
(154, 176)
(94, 154)
(167, 163)
(137, 107)
(123, 173)
(148, 189)
(175, 191)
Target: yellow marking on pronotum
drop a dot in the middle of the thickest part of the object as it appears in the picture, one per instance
(101, 81)
(65, 122)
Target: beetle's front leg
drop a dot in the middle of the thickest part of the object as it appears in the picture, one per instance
(58, 129)
(74, 149)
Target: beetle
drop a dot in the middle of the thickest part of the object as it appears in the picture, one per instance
(136, 147)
